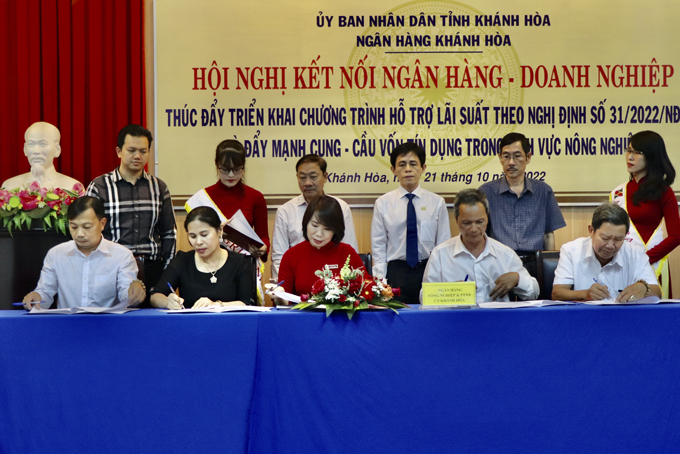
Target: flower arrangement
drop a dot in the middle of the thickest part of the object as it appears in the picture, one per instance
(19, 207)
(352, 290)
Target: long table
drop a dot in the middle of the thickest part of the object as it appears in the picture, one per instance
(558, 379)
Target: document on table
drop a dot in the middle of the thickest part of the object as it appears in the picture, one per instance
(218, 310)
(641, 301)
(518, 304)
(120, 308)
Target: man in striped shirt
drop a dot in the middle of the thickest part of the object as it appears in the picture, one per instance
(138, 205)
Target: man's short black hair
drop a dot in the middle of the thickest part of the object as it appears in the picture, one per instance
(84, 203)
(470, 197)
(133, 131)
(315, 159)
(329, 213)
(612, 213)
(404, 149)
(513, 137)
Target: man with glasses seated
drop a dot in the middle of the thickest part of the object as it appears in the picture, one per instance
(138, 206)
(311, 174)
(524, 211)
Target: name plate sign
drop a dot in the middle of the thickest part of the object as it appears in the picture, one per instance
(448, 294)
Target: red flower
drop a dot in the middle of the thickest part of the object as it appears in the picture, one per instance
(368, 294)
(79, 189)
(356, 304)
(304, 297)
(396, 291)
(342, 298)
(318, 286)
(28, 202)
(54, 204)
(34, 186)
(354, 285)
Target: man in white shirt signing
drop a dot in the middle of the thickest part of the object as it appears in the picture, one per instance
(473, 256)
(88, 270)
(604, 265)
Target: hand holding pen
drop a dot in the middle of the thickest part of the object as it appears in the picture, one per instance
(174, 301)
(598, 292)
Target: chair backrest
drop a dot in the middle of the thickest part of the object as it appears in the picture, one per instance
(367, 258)
(547, 264)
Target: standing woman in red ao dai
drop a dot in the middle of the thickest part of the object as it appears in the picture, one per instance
(649, 199)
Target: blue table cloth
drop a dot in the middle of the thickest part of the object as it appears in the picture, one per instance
(140, 382)
(547, 380)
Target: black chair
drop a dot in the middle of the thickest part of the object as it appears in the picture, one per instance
(367, 258)
(547, 264)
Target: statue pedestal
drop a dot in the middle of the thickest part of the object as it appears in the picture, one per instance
(21, 259)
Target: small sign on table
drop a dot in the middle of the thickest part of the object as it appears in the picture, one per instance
(438, 295)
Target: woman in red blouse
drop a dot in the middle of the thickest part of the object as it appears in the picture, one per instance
(649, 199)
(323, 227)
(230, 194)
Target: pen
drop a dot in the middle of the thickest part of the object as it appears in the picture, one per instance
(173, 291)
(466, 277)
(21, 304)
(277, 285)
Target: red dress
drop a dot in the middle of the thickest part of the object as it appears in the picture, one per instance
(301, 261)
(241, 197)
(647, 216)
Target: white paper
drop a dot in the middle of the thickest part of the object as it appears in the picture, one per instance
(611, 302)
(239, 222)
(518, 304)
(218, 310)
(119, 308)
(287, 297)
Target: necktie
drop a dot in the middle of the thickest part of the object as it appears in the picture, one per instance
(411, 233)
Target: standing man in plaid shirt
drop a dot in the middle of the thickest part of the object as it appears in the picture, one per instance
(138, 206)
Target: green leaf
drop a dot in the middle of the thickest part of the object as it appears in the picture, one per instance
(47, 221)
(329, 310)
(350, 313)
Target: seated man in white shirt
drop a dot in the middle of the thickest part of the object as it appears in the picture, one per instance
(311, 174)
(88, 270)
(472, 256)
(604, 265)
(408, 223)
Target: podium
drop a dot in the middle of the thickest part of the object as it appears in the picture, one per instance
(21, 259)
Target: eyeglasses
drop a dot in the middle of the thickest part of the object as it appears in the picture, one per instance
(507, 157)
(635, 152)
(235, 171)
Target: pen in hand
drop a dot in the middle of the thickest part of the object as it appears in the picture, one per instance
(271, 289)
(173, 291)
(21, 303)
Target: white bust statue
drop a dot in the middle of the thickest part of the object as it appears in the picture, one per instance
(41, 147)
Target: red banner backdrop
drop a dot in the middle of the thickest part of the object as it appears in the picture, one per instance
(78, 64)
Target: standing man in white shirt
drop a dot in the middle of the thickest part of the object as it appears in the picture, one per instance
(472, 256)
(407, 224)
(311, 174)
(604, 265)
(88, 270)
